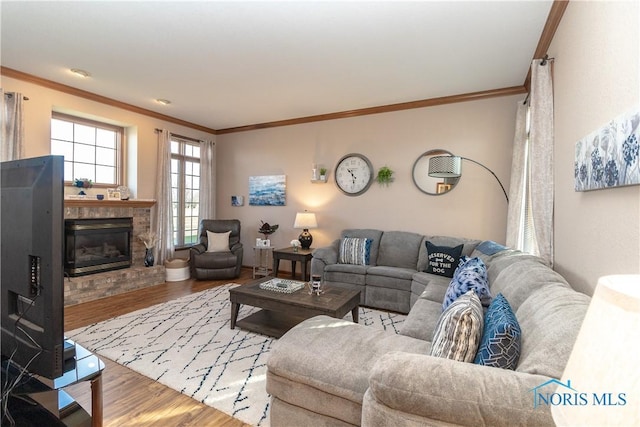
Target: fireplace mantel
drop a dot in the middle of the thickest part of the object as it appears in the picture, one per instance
(95, 203)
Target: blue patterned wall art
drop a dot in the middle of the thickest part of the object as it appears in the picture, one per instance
(609, 156)
(267, 190)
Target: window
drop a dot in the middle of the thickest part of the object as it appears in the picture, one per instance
(185, 190)
(527, 241)
(91, 149)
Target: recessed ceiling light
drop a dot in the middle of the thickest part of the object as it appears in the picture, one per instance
(81, 73)
(163, 101)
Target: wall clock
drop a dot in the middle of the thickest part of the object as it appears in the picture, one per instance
(354, 174)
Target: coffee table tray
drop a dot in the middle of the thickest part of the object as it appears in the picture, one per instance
(282, 285)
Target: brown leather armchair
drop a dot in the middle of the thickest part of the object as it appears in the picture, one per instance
(224, 264)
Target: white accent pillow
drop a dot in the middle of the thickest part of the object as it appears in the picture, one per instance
(218, 242)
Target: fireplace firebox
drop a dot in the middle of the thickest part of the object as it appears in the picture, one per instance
(97, 244)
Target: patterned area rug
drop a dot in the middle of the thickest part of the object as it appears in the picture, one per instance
(187, 345)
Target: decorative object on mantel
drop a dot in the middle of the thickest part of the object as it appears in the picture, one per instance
(385, 176)
(113, 194)
(305, 220)
(266, 229)
(149, 239)
(82, 183)
(124, 192)
(609, 156)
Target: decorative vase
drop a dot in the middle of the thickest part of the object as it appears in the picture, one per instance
(148, 258)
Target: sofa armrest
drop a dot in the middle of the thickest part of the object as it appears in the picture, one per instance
(324, 256)
(456, 392)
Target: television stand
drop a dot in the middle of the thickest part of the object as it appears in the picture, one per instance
(37, 399)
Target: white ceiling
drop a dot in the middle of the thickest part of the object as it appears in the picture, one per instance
(229, 64)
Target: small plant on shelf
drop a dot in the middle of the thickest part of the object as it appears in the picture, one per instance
(385, 176)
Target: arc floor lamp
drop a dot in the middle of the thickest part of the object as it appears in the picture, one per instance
(451, 167)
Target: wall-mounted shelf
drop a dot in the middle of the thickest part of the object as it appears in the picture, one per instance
(319, 181)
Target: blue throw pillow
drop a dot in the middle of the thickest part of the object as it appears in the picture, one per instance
(500, 344)
(355, 250)
(489, 247)
(443, 260)
(471, 274)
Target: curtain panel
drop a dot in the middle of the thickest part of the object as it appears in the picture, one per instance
(163, 220)
(12, 126)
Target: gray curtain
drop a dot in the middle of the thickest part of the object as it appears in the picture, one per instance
(541, 158)
(12, 126)
(530, 217)
(163, 218)
(207, 180)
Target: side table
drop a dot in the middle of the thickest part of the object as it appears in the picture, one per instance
(301, 255)
(261, 261)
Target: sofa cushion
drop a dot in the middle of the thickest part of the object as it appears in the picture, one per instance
(471, 274)
(399, 249)
(443, 260)
(422, 319)
(218, 242)
(500, 344)
(459, 329)
(355, 250)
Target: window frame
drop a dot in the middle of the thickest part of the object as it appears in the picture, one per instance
(183, 158)
(120, 145)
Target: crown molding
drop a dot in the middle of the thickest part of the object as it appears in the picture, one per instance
(30, 78)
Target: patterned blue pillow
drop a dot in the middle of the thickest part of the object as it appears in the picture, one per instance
(500, 345)
(355, 250)
(471, 274)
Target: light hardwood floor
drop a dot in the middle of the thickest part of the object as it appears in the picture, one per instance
(131, 399)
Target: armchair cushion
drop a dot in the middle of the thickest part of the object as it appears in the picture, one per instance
(218, 242)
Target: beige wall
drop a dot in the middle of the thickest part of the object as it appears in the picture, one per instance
(596, 78)
(482, 130)
(142, 139)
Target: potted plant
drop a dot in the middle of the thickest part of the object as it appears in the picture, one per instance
(323, 174)
(385, 176)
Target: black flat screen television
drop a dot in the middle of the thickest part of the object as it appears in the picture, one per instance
(31, 260)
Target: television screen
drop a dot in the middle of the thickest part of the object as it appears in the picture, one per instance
(31, 260)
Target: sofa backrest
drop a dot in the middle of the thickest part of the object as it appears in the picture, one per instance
(423, 255)
(550, 319)
(399, 249)
(374, 235)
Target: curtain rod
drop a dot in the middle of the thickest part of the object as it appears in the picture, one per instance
(179, 136)
(10, 95)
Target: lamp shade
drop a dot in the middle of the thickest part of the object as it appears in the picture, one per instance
(305, 220)
(445, 166)
(603, 366)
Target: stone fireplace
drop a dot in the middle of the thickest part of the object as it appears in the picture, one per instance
(96, 245)
(90, 287)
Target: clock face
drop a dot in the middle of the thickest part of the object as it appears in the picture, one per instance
(354, 174)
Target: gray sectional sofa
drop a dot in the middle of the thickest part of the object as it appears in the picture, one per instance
(332, 372)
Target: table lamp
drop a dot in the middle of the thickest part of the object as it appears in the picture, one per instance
(603, 366)
(305, 220)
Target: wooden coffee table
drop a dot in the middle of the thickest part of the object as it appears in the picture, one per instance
(281, 312)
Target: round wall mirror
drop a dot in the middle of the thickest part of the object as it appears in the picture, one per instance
(428, 184)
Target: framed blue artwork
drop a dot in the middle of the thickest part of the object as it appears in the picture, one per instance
(608, 157)
(268, 190)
